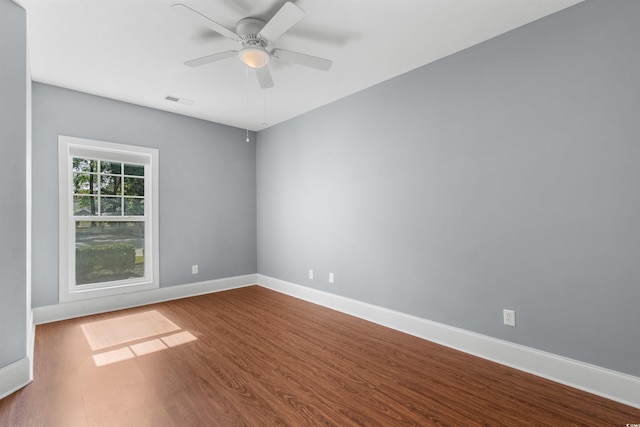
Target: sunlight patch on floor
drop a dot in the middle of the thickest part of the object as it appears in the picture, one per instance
(148, 347)
(134, 335)
(124, 329)
(112, 356)
(178, 339)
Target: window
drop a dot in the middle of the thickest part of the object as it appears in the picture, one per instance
(108, 218)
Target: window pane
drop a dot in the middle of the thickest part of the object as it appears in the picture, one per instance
(111, 167)
(110, 206)
(85, 205)
(133, 186)
(85, 183)
(84, 165)
(133, 206)
(137, 170)
(110, 185)
(107, 251)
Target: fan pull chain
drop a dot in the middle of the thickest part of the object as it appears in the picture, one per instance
(264, 110)
(247, 102)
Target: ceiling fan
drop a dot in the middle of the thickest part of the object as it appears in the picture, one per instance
(255, 36)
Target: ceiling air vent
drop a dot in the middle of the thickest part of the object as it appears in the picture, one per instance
(179, 100)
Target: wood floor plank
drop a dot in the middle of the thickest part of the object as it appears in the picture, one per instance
(254, 357)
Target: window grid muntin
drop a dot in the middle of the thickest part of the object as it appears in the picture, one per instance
(123, 166)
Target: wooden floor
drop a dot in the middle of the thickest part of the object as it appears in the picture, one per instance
(254, 357)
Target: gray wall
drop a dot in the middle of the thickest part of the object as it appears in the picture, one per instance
(13, 191)
(504, 176)
(207, 185)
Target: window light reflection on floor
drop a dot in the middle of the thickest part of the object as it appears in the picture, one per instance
(141, 333)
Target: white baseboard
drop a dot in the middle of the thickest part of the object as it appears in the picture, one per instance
(593, 379)
(15, 376)
(69, 310)
(19, 373)
(31, 342)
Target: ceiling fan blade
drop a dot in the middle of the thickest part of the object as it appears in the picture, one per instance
(302, 59)
(264, 77)
(211, 58)
(202, 19)
(288, 15)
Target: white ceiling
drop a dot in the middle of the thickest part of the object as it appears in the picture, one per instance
(133, 50)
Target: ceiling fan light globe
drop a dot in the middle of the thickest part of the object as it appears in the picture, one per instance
(254, 57)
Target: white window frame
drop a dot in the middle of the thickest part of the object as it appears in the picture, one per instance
(70, 147)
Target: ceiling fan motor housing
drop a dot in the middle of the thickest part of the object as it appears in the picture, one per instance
(253, 53)
(249, 27)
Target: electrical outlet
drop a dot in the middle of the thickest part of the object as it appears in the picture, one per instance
(311, 274)
(194, 269)
(509, 317)
(330, 277)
